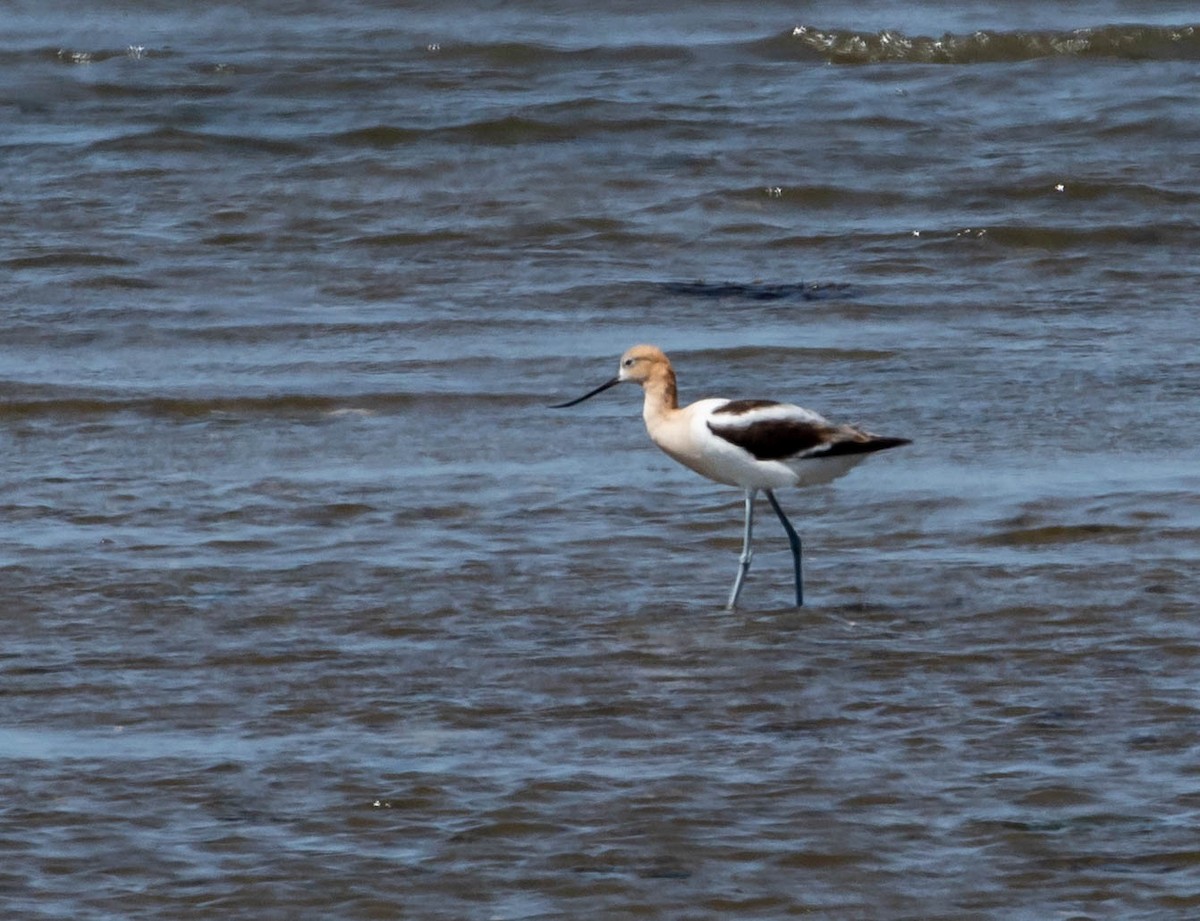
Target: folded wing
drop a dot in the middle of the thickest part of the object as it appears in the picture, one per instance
(781, 431)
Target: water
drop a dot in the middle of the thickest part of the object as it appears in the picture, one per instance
(312, 609)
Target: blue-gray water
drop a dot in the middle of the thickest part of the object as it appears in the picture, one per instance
(311, 609)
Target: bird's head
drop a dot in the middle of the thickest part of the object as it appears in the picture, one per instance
(638, 365)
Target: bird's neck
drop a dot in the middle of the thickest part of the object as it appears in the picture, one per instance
(662, 399)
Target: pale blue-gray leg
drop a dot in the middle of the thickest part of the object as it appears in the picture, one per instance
(747, 552)
(794, 540)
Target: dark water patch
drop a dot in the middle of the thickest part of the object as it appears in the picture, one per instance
(814, 861)
(235, 545)
(782, 355)
(405, 239)
(761, 291)
(1163, 129)
(868, 241)
(285, 405)
(1056, 796)
(128, 327)
(550, 125)
(182, 140)
(65, 259)
(554, 123)
(805, 197)
(512, 130)
(133, 92)
(336, 512)
(605, 229)
(1120, 42)
(14, 512)
(379, 136)
(117, 282)
(236, 240)
(254, 333)
(1083, 190)
(1063, 534)
(454, 511)
(535, 55)
(1090, 236)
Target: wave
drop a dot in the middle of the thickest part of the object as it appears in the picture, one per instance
(537, 125)
(848, 46)
(100, 55)
(83, 405)
(1123, 42)
(760, 291)
(66, 259)
(1132, 42)
(538, 55)
(181, 140)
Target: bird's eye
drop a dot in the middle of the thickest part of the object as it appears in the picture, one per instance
(628, 363)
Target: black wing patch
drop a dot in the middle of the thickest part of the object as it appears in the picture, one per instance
(869, 444)
(773, 439)
(779, 439)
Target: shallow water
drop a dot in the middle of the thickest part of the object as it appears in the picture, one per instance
(313, 609)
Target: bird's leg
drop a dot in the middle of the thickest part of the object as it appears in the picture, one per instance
(747, 552)
(794, 540)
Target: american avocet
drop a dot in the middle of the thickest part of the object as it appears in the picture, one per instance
(754, 444)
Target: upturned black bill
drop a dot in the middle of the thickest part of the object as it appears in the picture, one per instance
(589, 395)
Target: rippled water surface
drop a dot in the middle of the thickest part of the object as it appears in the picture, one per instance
(312, 609)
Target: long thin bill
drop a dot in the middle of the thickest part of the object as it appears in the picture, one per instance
(589, 395)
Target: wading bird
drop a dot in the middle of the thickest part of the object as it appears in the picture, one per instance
(754, 444)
